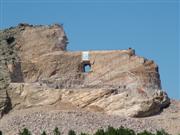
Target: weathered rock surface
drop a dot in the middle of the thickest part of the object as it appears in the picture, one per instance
(110, 101)
(42, 72)
(5, 104)
(18, 45)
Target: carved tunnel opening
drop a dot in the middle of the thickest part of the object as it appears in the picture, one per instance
(87, 68)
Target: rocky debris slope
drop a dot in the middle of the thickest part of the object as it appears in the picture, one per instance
(67, 117)
(169, 119)
(40, 71)
(80, 121)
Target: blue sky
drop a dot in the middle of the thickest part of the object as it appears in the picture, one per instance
(151, 27)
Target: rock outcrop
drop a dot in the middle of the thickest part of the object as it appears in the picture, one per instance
(41, 72)
(110, 101)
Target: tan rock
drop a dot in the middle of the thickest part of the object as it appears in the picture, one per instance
(42, 73)
(25, 95)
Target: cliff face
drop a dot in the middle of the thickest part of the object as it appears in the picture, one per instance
(37, 70)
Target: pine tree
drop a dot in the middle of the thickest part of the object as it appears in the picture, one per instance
(83, 133)
(56, 131)
(25, 132)
(44, 133)
(161, 132)
(71, 132)
(145, 133)
(100, 132)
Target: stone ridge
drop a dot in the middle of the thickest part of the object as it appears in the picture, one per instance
(40, 71)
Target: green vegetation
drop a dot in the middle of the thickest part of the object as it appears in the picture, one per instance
(25, 132)
(43, 133)
(109, 131)
(71, 132)
(56, 131)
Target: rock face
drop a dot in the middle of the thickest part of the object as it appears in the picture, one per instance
(41, 72)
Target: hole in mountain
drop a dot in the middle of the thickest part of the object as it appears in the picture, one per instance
(87, 68)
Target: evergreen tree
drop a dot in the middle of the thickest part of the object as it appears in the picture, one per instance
(111, 131)
(145, 133)
(25, 132)
(83, 133)
(125, 131)
(44, 133)
(100, 132)
(56, 131)
(71, 132)
(161, 132)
